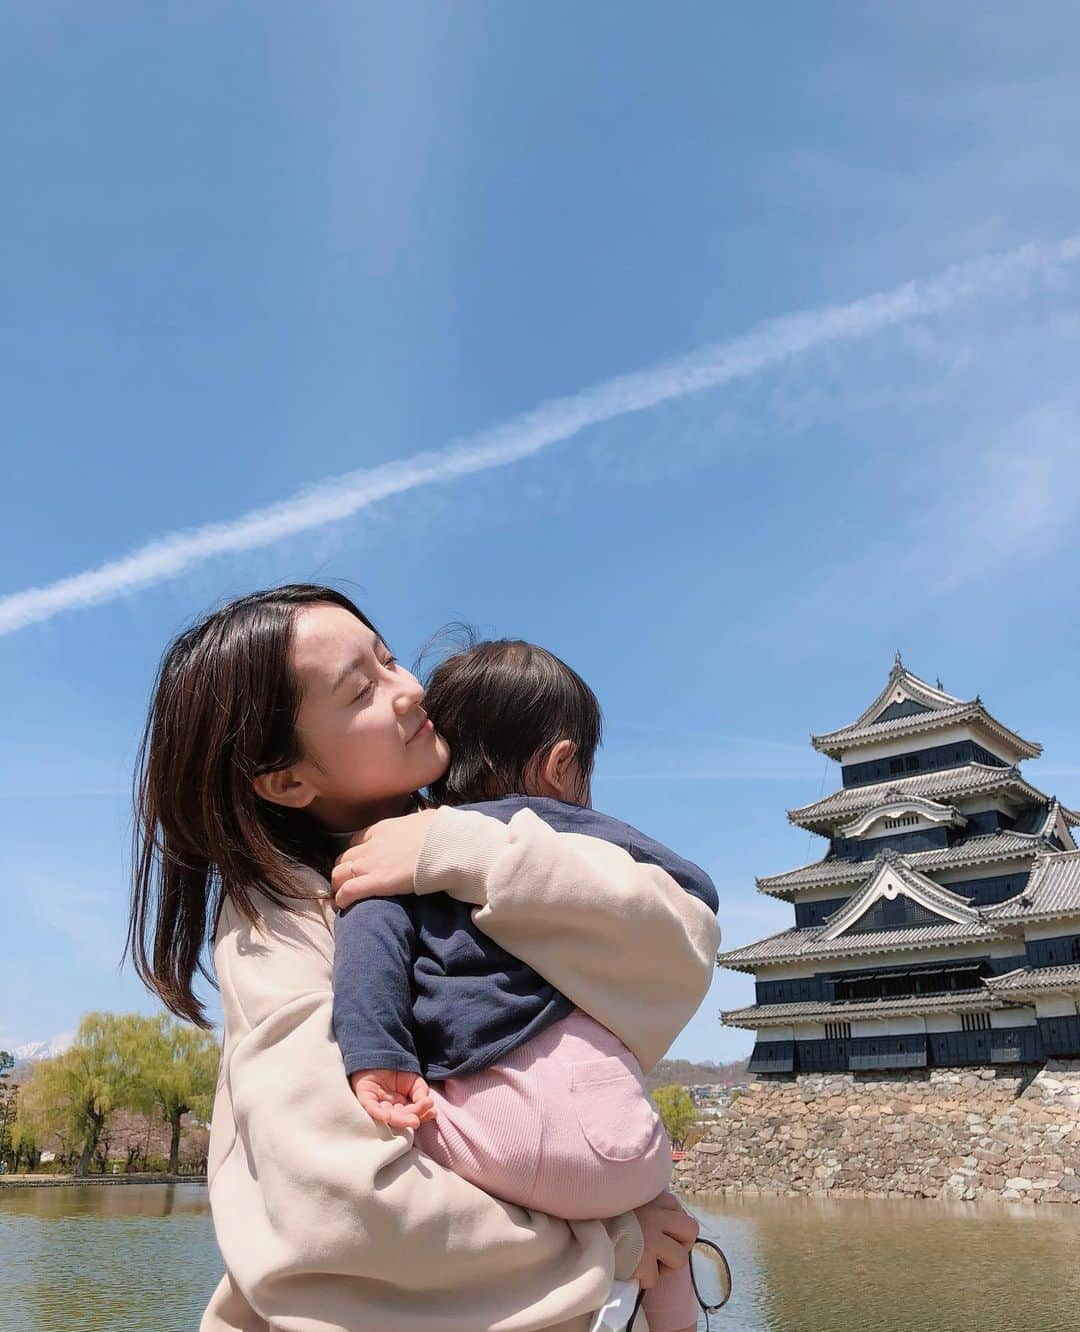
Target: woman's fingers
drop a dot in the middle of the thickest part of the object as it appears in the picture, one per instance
(647, 1274)
(682, 1228)
(344, 873)
(669, 1233)
(353, 890)
(671, 1253)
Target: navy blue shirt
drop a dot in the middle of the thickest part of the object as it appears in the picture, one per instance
(418, 987)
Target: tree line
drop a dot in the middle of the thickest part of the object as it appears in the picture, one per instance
(156, 1066)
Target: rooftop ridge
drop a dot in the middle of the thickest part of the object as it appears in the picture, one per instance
(933, 896)
(836, 742)
(921, 690)
(968, 779)
(809, 943)
(775, 1015)
(897, 802)
(1053, 889)
(976, 851)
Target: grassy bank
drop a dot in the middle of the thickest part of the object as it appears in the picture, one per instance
(56, 1181)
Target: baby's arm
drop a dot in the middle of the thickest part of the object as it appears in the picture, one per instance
(374, 944)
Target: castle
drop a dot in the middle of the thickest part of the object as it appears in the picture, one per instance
(942, 927)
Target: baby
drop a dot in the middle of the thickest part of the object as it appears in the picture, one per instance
(514, 1088)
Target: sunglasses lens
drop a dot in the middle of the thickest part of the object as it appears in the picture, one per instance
(712, 1279)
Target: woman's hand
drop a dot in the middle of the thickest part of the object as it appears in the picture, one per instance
(381, 860)
(669, 1231)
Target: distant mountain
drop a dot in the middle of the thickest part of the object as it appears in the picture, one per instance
(34, 1050)
(683, 1073)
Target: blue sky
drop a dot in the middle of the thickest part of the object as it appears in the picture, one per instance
(254, 249)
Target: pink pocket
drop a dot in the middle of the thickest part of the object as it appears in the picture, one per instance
(612, 1107)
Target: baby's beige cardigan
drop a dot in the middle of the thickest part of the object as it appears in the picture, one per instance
(328, 1223)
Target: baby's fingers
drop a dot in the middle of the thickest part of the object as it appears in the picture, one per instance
(424, 1108)
(403, 1116)
(378, 1109)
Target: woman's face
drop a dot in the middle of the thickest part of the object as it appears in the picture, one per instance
(366, 740)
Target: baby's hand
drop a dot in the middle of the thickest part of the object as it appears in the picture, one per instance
(391, 1096)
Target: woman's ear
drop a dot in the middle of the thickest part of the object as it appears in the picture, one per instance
(284, 787)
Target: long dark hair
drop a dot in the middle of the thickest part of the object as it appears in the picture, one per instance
(502, 706)
(223, 711)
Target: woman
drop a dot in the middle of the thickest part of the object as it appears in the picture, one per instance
(279, 724)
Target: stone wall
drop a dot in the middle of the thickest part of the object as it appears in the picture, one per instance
(939, 1133)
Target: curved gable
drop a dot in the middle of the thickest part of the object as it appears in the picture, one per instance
(892, 880)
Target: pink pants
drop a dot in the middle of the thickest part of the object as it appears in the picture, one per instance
(563, 1125)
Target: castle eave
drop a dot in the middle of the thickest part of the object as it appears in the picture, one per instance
(783, 1015)
(811, 944)
(1030, 982)
(984, 850)
(838, 743)
(1052, 892)
(971, 779)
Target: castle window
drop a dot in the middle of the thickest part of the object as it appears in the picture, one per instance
(974, 1021)
(838, 1031)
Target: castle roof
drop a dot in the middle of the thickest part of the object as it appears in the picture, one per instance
(970, 779)
(782, 1015)
(810, 943)
(1031, 981)
(910, 706)
(985, 850)
(892, 877)
(1053, 890)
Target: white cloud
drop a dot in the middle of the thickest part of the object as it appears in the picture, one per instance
(553, 422)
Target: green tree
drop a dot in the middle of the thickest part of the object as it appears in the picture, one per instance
(678, 1112)
(174, 1070)
(9, 1096)
(70, 1096)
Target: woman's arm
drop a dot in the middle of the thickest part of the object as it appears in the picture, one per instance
(619, 938)
(326, 1220)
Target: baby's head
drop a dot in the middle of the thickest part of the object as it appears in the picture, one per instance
(518, 722)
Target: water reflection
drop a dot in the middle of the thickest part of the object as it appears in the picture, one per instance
(106, 1200)
(805, 1264)
(143, 1259)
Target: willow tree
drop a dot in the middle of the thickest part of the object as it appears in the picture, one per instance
(70, 1096)
(678, 1112)
(9, 1095)
(173, 1069)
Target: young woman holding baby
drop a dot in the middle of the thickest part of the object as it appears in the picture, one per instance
(280, 725)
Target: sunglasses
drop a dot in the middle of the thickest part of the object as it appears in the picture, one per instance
(710, 1276)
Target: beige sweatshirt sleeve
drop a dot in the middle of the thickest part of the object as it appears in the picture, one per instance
(330, 1223)
(621, 939)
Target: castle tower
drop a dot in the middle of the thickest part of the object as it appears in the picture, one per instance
(942, 926)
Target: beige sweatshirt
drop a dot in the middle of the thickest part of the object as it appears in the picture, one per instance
(330, 1223)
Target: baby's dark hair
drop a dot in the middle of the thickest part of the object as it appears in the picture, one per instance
(502, 706)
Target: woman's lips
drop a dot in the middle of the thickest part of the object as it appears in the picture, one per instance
(425, 728)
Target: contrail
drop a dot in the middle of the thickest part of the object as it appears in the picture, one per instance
(553, 422)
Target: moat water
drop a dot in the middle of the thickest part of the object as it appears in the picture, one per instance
(142, 1258)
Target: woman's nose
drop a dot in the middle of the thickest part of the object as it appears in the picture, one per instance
(409, 694)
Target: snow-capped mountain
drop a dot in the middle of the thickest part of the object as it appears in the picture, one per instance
(35, 1050)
